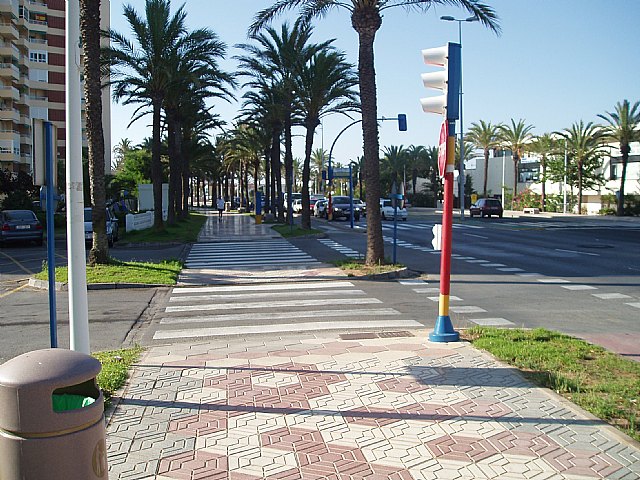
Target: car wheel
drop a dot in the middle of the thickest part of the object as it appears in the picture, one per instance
(500, 215)
(482, 215)
(110, 241)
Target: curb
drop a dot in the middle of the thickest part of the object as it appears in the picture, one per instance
(63, 287)
(401, 273)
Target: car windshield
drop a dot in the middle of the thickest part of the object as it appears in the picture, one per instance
(341, 200)
(493, 203)
(20, 215)
(87, 215)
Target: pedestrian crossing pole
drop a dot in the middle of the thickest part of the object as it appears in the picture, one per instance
(448, 81)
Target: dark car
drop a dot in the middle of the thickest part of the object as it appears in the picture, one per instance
(20, 225)
(341, 208)
(485, 207)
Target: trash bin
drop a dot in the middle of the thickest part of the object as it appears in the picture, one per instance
(51, 417)
(258, 219)
(227, 206)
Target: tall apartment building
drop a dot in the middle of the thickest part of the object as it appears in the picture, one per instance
(32, 77)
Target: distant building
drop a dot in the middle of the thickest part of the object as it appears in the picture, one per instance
(529, 175)
(32, 78)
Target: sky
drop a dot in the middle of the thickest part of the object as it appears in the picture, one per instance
(555, 62)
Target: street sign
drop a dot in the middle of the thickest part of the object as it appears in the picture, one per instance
(340, 173)
(442, 147)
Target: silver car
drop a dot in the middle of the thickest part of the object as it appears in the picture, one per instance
(20, 225)
(112, 226)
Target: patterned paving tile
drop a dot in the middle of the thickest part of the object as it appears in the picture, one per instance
(362, 408)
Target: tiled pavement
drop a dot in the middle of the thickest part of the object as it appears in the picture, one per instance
(356, 407)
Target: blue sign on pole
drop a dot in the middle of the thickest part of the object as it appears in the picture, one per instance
(51, 244)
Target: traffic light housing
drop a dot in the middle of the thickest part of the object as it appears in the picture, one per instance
(402, 122)
(447, 80)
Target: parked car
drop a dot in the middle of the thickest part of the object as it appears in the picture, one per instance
(341, 208)
(20, 225)
(320, 208)
(112, 226)
(387, 210)
(312, 202)
(297, 205)
(485, 207)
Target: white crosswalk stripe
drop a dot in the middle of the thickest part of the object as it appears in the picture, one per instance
(349, 252)
(262, 253)
(214, 311)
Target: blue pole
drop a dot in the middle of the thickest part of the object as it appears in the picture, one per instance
(51, 243)
(351, 194)
(395, 228)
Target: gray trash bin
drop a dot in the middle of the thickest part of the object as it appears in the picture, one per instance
(45, 431)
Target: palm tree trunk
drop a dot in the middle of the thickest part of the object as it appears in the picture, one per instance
(267, 181)
(156, 165)
(90, 31)
(486, 172)
(277, 175)
(173, 167)
(366, 23)
(288, 167)
(516, 160)
(544, 184)
(580, 188)
(306, 174)
(625, 159)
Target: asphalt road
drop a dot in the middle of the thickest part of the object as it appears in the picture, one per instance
(24, 311)
(578, 276)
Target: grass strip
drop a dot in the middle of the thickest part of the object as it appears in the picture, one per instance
(183, 231)
(294, 231)
(115, 369)
(356, 268)
(163, 273)
(593, 378)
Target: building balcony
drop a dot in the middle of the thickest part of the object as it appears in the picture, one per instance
(9, 30)
(10, 93)
(9, 114)
(9, 6)
(8, 157)
(9, 70)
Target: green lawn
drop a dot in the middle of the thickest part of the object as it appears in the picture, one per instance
(115, 369)
(164, 273)
(294, 231)
(599, 381)
(184, 231)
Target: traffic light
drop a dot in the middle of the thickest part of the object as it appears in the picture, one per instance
(447, 80)
(402, 122)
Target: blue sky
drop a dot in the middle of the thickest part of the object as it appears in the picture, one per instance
(556, 62)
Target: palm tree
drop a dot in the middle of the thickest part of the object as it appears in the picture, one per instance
(545, 146)
(277, 59)
(417, 161)
(623, 128)
(584, 147)
(484, 135)
(319, 159)
(366, 19)
(119, 152)
(394, 161)
(90, 33)
(324, 85)
(515, 137)
(142, 75)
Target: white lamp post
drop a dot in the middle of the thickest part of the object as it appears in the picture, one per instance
(449, 18)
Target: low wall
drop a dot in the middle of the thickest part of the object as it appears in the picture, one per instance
(139, 221)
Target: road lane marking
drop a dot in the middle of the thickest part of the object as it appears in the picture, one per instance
(578, 253)
(477, 236)
(291, 327)
(634, 304)
(466, 309)
(17, 289)
(427, 290)
(510, 269)
(493, 265)
(248, 296)
(284, 303)
(22, 267)
(236, 317)
(553, 280)
(491, 322)
(264, 287)
(452, 298)
(610, 296)
(579, 287)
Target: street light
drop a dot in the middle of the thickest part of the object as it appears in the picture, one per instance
(449, 18)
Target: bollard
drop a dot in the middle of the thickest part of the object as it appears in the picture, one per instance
(52, 417)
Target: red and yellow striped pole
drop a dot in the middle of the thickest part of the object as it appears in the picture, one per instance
(443, 330)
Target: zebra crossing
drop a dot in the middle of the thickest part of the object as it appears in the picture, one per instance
(215, 311)
(425, 226)
(349, 252)
(269, 253)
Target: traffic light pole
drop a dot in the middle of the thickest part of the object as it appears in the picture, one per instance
(443, 330)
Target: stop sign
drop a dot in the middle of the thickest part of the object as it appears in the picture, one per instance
(442, 148)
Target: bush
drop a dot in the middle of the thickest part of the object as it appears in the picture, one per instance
(17, 200)
(421, 199)
(526, 199)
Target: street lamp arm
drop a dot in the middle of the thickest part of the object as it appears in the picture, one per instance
(336, 139)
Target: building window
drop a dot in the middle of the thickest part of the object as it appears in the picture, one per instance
(38, 75)
(38, 56)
